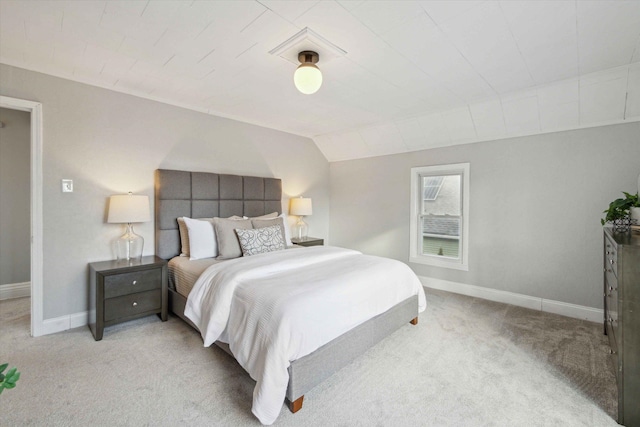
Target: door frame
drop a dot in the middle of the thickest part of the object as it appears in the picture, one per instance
(37, 275)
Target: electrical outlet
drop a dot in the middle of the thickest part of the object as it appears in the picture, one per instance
(67, 186)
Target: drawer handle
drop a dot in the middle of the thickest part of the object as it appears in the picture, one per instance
(134, 282)
(135, 304)
(611, 351)
(611, 261)
(610, 288)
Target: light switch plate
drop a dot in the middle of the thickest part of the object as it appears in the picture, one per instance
(67, 186)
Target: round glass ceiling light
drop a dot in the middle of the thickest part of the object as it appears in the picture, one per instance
(308, 77)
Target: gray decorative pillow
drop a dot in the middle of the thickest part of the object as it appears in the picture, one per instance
(260, 240)
(228, 245)
(261, 223)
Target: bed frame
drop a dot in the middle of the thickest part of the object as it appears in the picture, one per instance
(206, 195)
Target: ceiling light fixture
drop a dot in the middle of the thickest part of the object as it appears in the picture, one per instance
(308, 77)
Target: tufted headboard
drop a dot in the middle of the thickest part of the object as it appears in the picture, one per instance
(206, 195)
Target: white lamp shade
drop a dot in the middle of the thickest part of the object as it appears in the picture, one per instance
(301, 206)
(307, 78)
(128, 208)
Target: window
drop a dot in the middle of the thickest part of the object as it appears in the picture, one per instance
(431, 186)
(440, 215)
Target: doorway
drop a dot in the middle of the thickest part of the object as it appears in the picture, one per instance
(35, 201)
(15, 237)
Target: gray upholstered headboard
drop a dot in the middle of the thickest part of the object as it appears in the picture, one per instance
(206, 195)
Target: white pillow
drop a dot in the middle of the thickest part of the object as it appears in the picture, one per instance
(202, 239)
(184, 235)
(287, 229)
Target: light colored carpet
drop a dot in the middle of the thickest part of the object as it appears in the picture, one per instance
(469, 362)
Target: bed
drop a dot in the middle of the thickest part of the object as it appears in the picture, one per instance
(207, 195)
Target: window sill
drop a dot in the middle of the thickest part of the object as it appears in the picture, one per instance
(439, 262)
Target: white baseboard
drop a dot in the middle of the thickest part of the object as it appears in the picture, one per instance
(573, 310)
(534, 303)
(15, 290)
(62, 323)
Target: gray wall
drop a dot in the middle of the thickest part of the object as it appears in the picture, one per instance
(111, 143)
(15, 226)
(536, 203)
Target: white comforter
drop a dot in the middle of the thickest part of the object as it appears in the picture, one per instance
(280, 306)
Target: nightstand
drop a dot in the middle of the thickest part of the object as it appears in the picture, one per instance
(125, 290)
(308, 241)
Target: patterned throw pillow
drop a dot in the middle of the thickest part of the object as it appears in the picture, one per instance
(279, 222)
(260, 240)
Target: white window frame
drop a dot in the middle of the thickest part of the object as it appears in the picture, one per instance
(415, 253)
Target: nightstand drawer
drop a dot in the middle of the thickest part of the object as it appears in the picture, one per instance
(132, 305)
(137, 281)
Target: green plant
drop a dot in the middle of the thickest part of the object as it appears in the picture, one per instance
(634, 199)
(9, 380)
(620, 208)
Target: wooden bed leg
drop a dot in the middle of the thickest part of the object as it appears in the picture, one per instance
(414, 321)
(296, 405)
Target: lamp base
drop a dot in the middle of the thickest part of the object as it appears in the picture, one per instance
(301, 229)
(129, 246)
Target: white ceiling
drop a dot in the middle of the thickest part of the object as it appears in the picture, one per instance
(417, 74)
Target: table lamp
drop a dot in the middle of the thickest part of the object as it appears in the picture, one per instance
(301, 206)
(127, 209)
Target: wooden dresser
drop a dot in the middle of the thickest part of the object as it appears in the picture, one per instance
(622, 318)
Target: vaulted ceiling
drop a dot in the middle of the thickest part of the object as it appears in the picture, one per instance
(416, 74)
